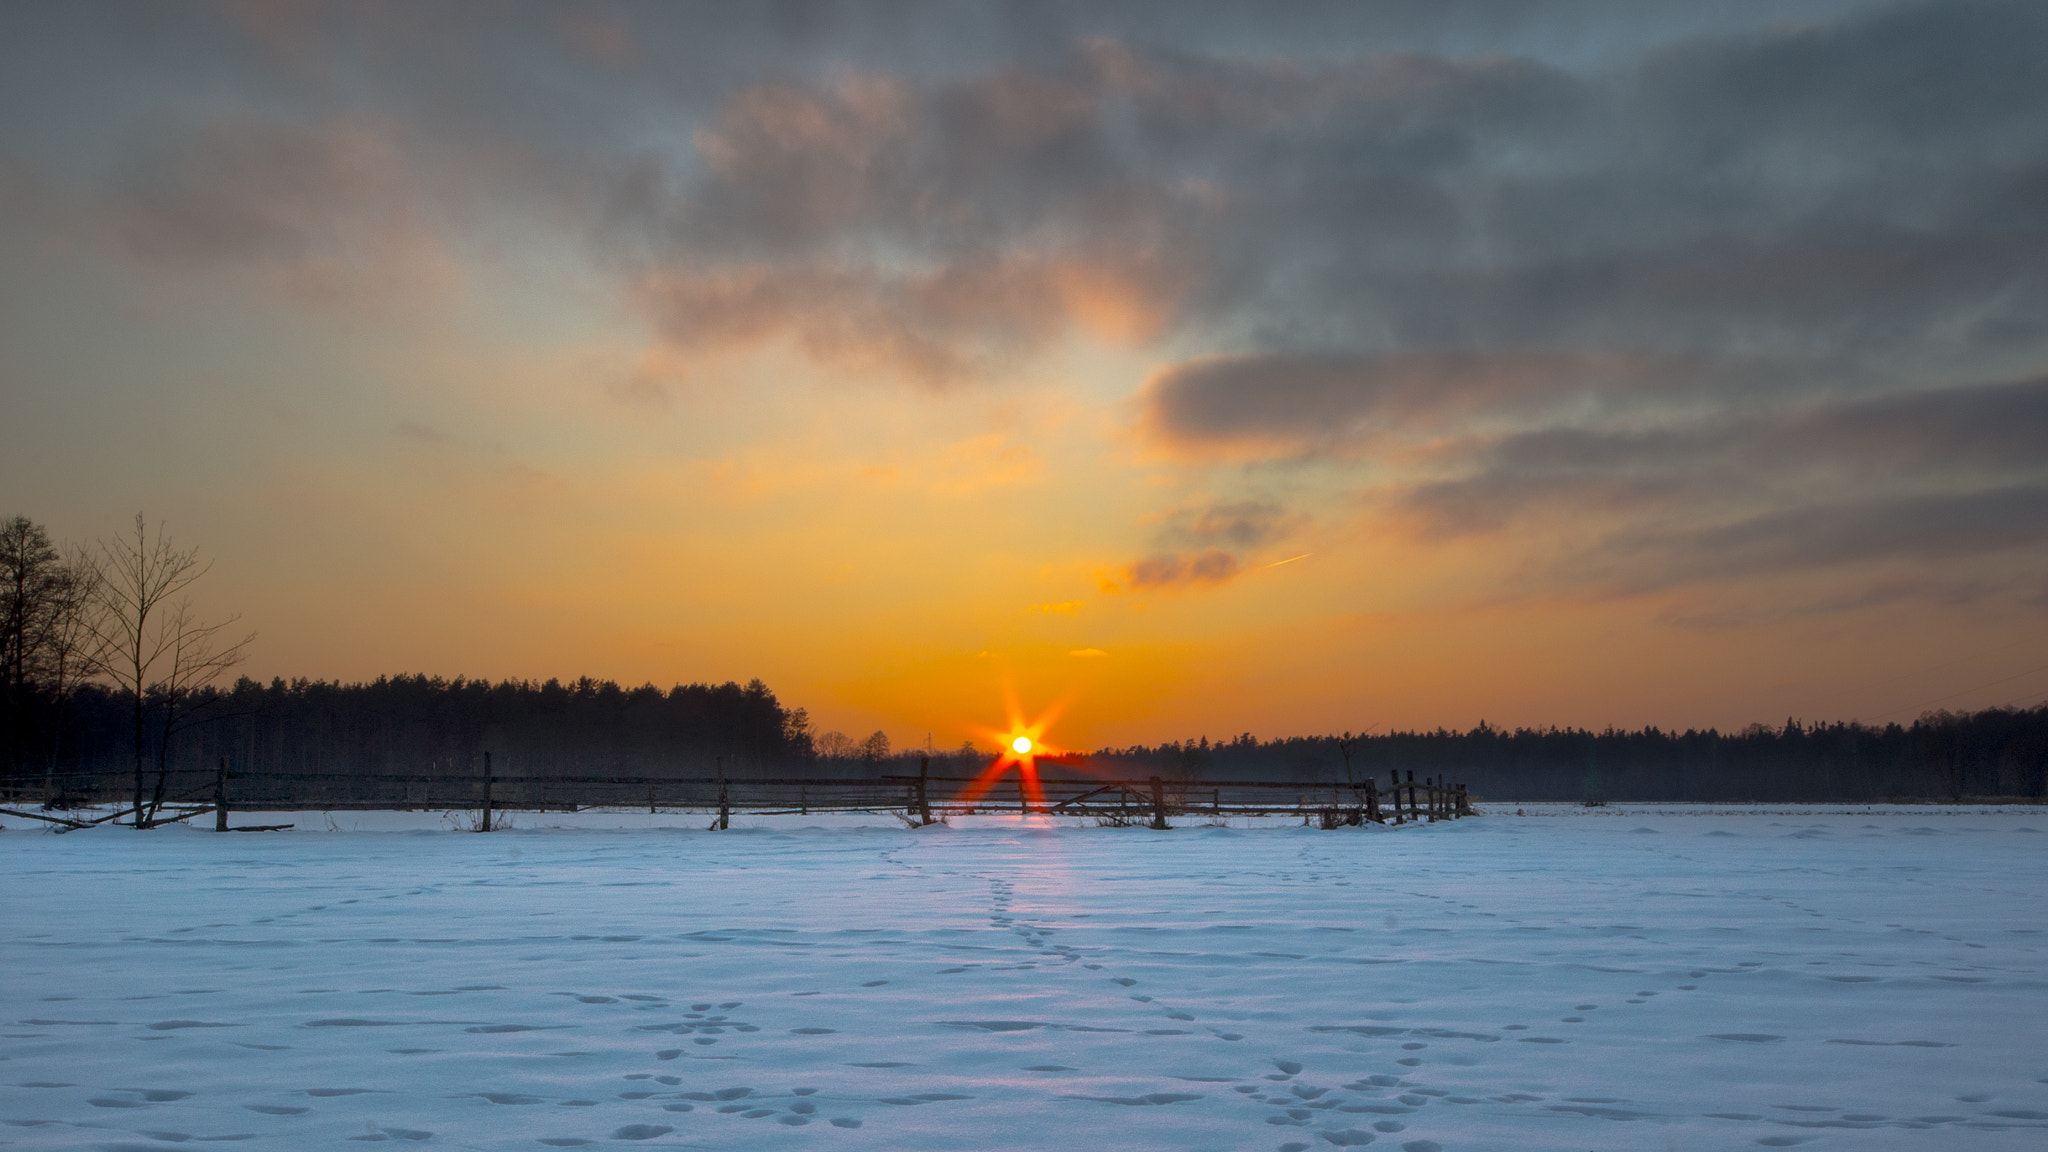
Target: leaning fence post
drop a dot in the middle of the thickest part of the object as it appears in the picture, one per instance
(1158, 804)
(924, 801)
(220, 797)
(485, 826)
(724, 799)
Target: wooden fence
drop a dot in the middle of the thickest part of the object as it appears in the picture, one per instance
(921, 799)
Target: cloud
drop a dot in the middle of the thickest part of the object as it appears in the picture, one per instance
(1903, 444)
(951, 322)
(1937, 527)
(1237, 525)
(1288, 402)
(1709, 288)
(326, 215)
(1325, 222)
(1088, 653)
(1858, 596)
(1203, 545)
(1210, 566)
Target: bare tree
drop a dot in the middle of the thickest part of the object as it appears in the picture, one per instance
(149, 643)
(69, 643)
(1348, 745)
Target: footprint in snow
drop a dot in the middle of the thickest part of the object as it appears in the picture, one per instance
(1150, 1098)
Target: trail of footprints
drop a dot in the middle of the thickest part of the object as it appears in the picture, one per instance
(1365, 1110)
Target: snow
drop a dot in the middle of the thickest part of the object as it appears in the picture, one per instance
(1619, 978)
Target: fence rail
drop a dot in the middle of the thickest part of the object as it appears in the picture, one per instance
(185, 794)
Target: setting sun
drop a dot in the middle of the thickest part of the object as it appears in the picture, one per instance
(1021, 745)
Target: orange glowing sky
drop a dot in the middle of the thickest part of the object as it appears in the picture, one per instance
(1167, 374)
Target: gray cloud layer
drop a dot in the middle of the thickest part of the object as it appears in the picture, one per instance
(1728, 280)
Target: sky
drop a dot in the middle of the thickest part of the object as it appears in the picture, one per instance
(1174, 369)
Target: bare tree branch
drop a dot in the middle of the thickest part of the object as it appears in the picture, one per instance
(150, 645)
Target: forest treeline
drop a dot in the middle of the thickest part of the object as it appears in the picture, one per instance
(1999, 752)
(423, 724)
(105, 670)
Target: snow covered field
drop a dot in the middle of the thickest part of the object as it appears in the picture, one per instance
(1625, 978)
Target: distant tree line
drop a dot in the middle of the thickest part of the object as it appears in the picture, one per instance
(842, 752)
(2000, 752)
(425, 724)
(105, 669)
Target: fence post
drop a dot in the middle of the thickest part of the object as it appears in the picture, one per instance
(724, 799)
(486, 826)
(1372, 800)
(924, 801)
(220, 797)
(1158, 804)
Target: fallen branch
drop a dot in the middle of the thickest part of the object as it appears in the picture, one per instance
(158, 822)
(51, 819)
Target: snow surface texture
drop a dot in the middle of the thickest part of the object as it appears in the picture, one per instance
(1627, 978)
